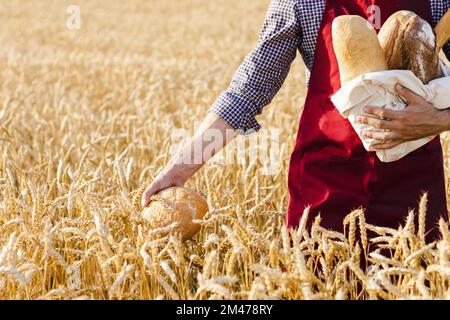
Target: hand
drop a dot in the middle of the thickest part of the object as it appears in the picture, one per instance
(418, 120)
(169, 177)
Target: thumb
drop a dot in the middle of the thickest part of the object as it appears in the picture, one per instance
(409, 96)
(151, 190)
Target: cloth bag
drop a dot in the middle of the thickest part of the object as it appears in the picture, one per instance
(377, 89)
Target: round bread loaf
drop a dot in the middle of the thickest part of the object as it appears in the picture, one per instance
(357, 48)
(409, 43)
(176, 205)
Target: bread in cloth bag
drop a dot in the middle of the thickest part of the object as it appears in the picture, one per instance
(377, 89)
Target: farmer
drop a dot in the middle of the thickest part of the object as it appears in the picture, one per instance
(329, 170)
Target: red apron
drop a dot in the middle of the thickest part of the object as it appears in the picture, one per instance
(332, 172)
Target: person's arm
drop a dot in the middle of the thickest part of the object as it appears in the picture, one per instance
(213, 135)
(264, 70)
(419, 120)
(255, 83)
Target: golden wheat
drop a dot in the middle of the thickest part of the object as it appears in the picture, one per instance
(86, 123)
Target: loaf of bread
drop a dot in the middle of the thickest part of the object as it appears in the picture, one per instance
(176, 205)
(409, 43)
(443, 30)
(357, 48)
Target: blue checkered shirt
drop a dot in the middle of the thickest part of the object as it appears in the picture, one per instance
(290, 25)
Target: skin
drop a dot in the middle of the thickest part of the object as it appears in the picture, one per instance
(419, 120)
(178, 171)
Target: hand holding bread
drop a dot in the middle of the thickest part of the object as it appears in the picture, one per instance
(409, 49)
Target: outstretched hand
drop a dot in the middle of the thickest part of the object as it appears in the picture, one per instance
(418, 120)
(166, 179)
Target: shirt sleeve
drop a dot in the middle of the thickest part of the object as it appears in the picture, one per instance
(263, 71)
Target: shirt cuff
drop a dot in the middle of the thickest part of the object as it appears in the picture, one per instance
(238, 112)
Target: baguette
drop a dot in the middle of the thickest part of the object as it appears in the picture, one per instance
(357, 48)
(443, 30)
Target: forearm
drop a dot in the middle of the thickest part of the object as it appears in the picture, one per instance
(212, 136)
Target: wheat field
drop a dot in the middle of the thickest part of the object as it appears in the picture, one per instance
(85, 123)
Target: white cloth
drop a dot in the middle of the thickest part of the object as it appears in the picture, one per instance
(377, 89)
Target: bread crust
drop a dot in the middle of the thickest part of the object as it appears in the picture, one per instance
(409, 43)
(357, 48)
(177, 205)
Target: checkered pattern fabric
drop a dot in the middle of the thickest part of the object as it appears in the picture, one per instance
(290, 26)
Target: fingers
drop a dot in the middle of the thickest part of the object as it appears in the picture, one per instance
(409, 96)
(383, 137)
(386, 146)
(151, 190)
(383, 113)
(387, 140)
(376, 123)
